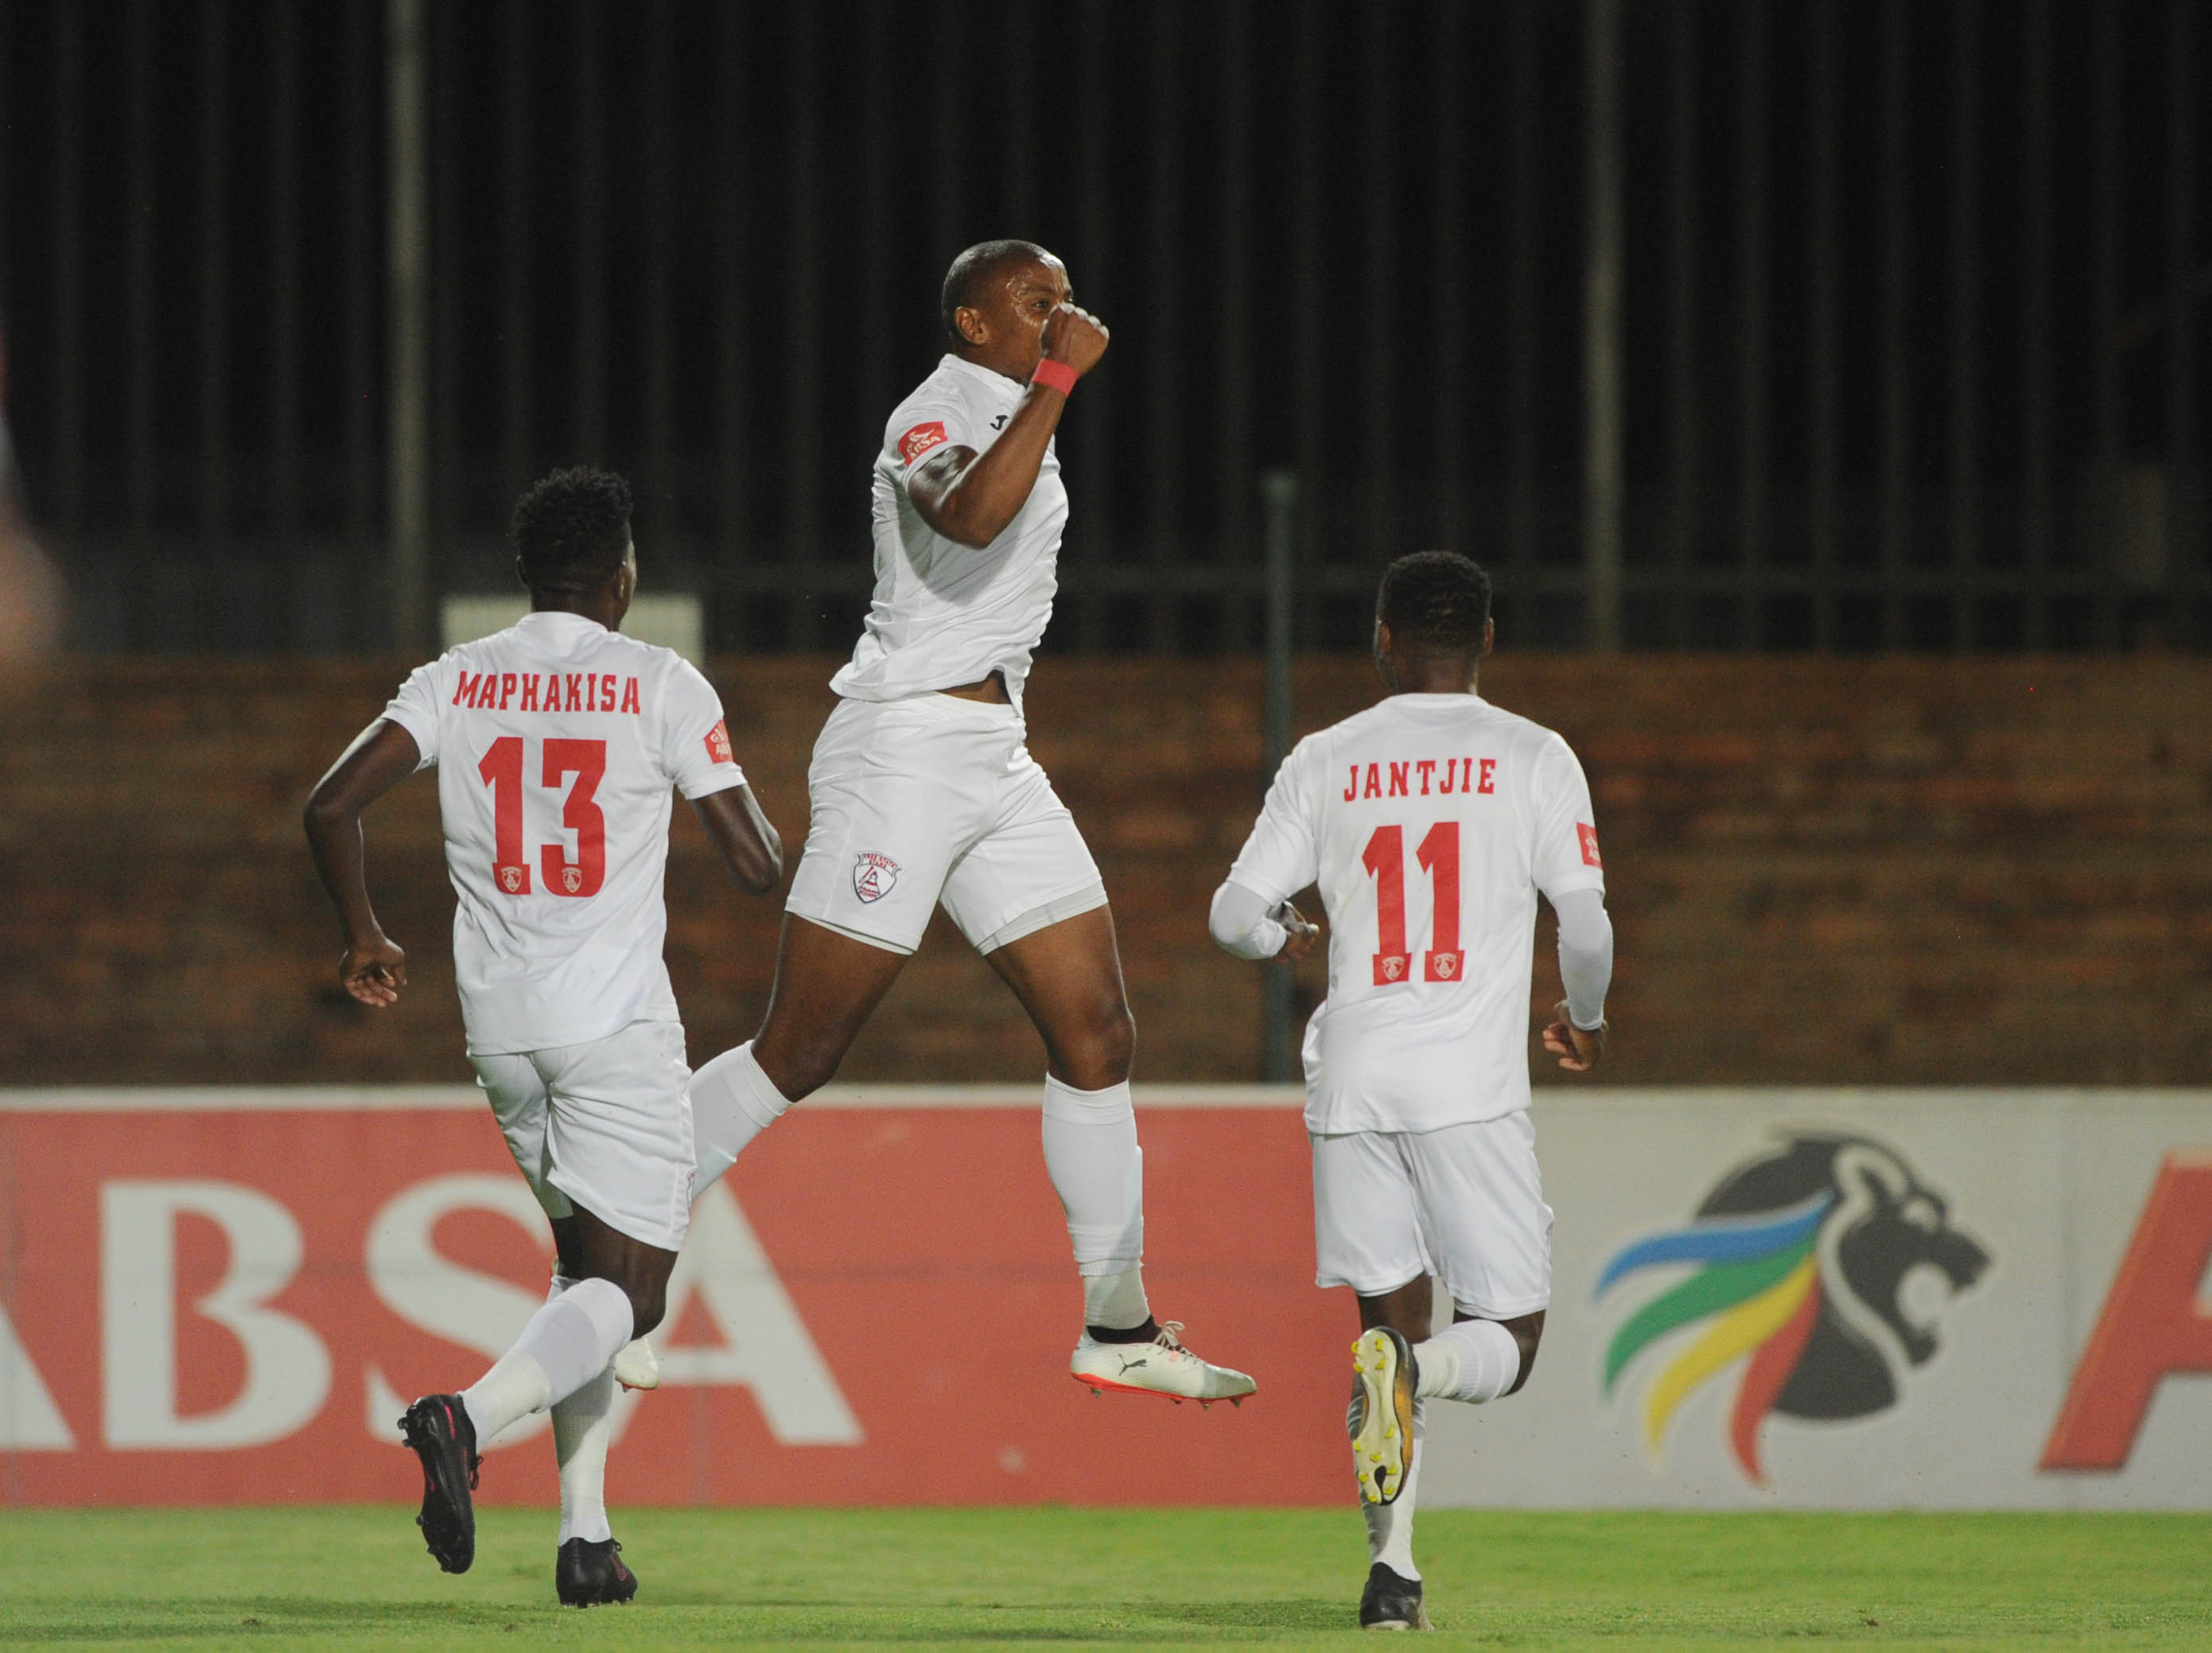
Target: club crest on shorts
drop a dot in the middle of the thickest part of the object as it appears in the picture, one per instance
(873, 875)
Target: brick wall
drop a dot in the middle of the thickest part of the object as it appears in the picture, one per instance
(1823, 871)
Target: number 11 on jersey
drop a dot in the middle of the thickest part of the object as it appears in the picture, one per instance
(1439, 855)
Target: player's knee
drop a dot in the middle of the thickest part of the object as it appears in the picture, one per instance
(1117, 1041)
(1096, 1053)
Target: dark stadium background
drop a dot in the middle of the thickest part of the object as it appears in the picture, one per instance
(1910, 350)
(1863, 556)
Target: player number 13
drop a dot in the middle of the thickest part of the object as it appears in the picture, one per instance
(1439, 854)
(502, 771)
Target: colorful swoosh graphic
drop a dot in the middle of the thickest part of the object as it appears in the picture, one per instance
(1757, 1281)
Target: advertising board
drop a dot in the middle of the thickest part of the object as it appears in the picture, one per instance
(1824, 1298)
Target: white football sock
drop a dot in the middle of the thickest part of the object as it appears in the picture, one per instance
(732, 1101)
(1115, 1301)
(1091, 1155)
(1471, 1361)
(566, 1343)
(582, 1429)
(581, 1434)
(1390, 1525)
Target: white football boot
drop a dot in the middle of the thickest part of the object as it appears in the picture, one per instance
(637, 1366)
(1162, 1366)
(1385, 1378)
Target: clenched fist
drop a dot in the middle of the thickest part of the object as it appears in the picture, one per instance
(1075, 336)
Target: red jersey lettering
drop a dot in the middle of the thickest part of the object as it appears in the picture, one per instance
(717, 743)
(1588, 833)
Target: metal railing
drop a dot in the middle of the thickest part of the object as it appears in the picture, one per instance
(1835, 325)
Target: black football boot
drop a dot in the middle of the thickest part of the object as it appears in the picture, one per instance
(1390, 1603)
(438, 1429)
(590, 1571)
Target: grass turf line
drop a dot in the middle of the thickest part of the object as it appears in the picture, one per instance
(358, 1576)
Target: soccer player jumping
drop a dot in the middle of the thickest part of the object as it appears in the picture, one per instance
(1430, 822)
(557, 742)
(924, 793)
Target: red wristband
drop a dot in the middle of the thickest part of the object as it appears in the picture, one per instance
(1057, 374)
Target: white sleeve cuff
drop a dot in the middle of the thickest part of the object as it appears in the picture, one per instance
(1585, 955)
(1240, 923)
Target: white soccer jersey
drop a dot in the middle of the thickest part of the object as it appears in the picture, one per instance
(1429, 823)
(557, 743)
(944, 613)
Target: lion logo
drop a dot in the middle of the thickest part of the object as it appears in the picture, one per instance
(1805, 1260)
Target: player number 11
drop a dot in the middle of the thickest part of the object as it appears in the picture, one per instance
(1439, 854)
(502, 770)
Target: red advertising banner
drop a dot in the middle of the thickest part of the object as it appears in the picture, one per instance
(230, 1295)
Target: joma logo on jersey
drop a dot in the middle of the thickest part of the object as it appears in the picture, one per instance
(873, 875)
(1801, 1258)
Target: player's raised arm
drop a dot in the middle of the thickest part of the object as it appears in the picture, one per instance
(373, 969)
(750, 847)
(1022, 324)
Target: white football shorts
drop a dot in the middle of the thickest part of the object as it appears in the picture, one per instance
(1464, 1203)
(606, 1126)
(934, 799)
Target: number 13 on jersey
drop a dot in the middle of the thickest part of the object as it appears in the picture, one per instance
(1439, 854)
(502, 771)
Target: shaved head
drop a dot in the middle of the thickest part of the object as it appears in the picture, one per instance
(972, 274)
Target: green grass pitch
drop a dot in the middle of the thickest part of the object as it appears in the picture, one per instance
(350, 1576)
